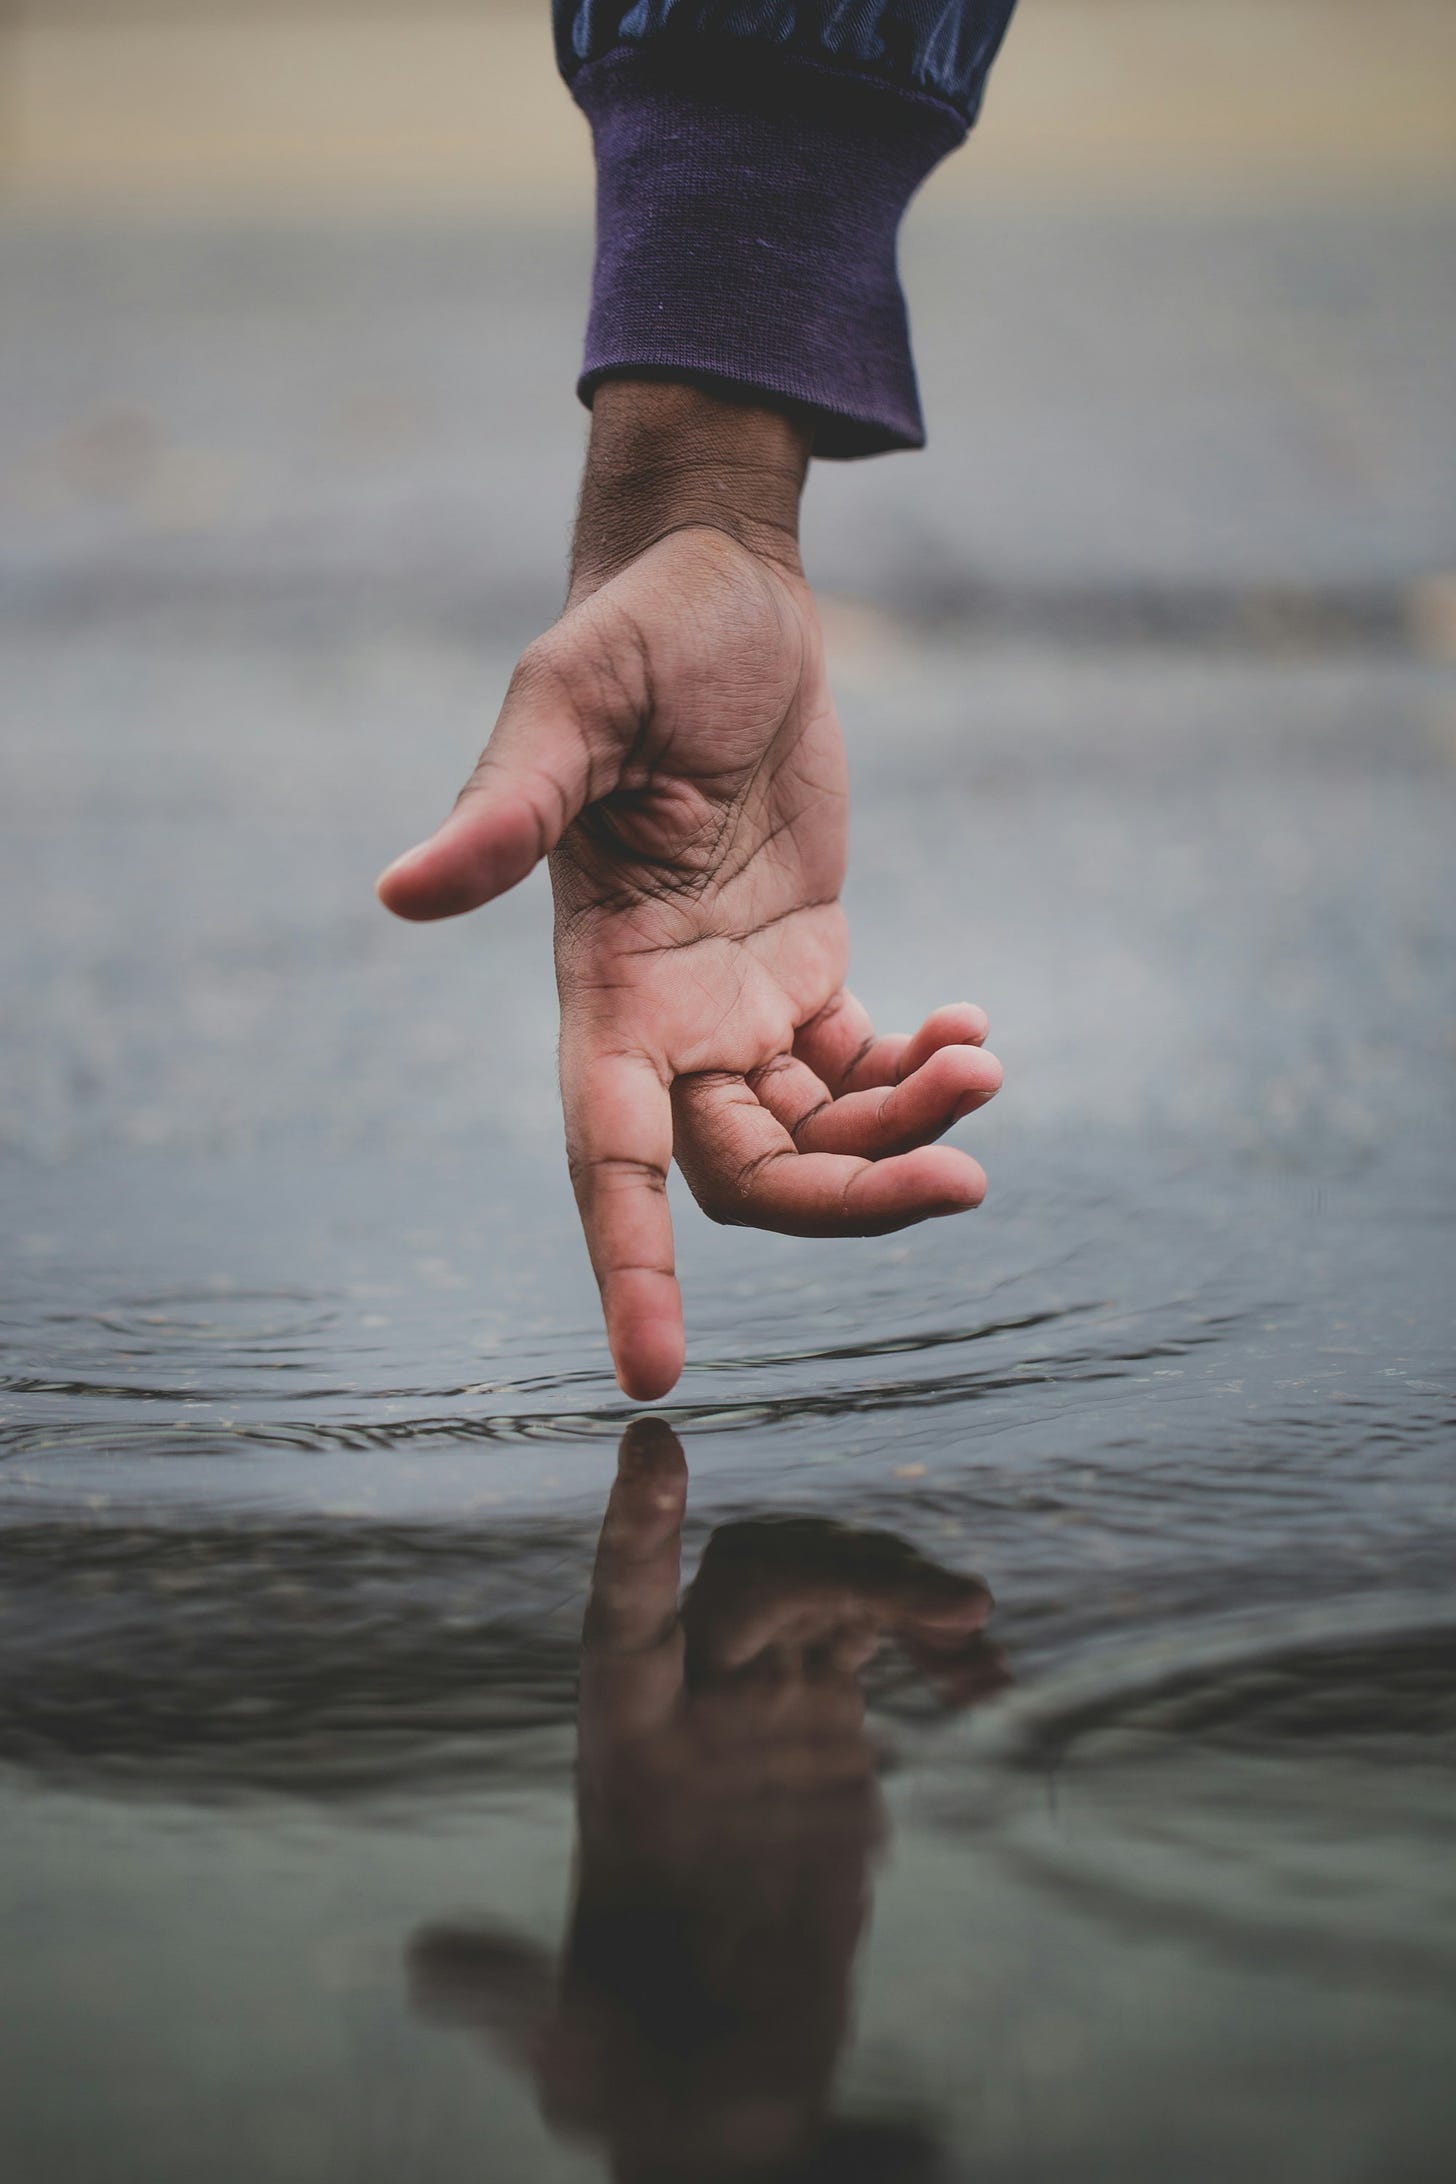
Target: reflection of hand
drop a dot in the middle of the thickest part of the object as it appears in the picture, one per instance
(754, 1685)
(728, 1809)
(673, 744)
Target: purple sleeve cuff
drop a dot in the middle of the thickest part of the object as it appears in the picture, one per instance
(746, 225)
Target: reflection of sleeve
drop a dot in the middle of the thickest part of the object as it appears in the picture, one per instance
(754, 158)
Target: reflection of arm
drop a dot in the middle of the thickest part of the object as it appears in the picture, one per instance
(754, 158)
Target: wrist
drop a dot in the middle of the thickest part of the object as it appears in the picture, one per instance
(667, 455)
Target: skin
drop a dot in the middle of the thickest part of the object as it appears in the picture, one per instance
(671, 745)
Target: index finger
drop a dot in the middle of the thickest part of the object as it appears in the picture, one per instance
(618, 1146)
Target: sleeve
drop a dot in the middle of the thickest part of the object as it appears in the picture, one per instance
(754, 159)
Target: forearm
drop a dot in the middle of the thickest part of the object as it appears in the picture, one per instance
(665, 456)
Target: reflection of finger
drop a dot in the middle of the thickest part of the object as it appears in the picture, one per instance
(924, 1601)
(963, 1677)
(854, 1645)
(619, 1144)
(635, 1579)
(930, 1605)
(764, 1705)
(743, 1167)
(787, 1607)
(771, 1583)
(895, 1119)
(632, 1650)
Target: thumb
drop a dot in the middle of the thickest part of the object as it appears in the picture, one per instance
(538, 771)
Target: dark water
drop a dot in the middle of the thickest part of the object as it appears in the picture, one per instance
(1147, 1868)
(1052, 1770)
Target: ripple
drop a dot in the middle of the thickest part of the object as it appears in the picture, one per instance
(1281, 1792)
(858, 1397)
(317, 1659)
(147, 1313)
(241, 1319)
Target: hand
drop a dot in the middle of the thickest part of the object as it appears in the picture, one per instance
(673, 746)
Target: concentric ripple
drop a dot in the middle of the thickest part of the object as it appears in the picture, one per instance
(1285, 1794)
(236, 1319)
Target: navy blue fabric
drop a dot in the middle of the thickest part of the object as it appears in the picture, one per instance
(941, 47)
(754, 160)
(746, 236)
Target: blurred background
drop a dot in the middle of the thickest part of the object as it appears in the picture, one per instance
(370, 105)
(1148, 672)
(291, 302)
(1126, 228)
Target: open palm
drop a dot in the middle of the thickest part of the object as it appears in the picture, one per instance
(673, 746)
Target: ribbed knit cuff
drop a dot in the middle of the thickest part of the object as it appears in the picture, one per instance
(747, 212)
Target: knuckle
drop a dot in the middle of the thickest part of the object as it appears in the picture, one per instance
(859, 1057)
(624, 1168)
(748, 1176)
(480, 773)
(810, 1116)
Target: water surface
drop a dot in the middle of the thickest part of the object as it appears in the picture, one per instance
(328, 1851)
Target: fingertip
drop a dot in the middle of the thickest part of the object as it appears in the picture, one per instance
(427, 883)
(953, 1073)
(987, 1081)
(395, 885)
(958, 1023)
(471, 859)
(649, 1362)
(952, 1607)
(925, 1185)
(652, 1471)
(648, 1349)
(971, 1190)
(951, 1180)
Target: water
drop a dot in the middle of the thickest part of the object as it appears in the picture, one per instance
(1158, 1868)
(1052, 1766)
